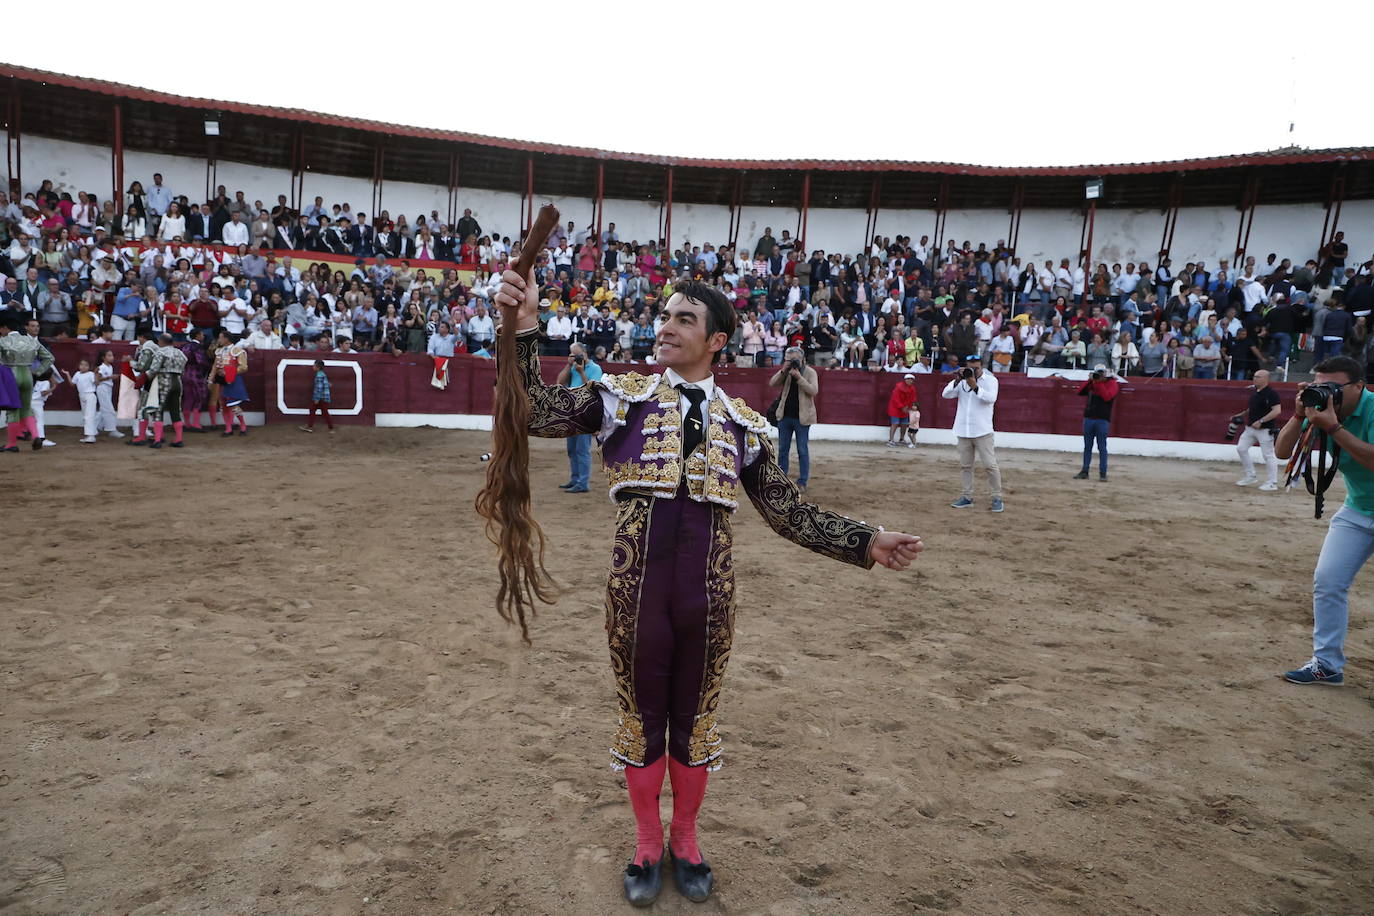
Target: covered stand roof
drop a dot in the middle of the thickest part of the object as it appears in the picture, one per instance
(80, 110)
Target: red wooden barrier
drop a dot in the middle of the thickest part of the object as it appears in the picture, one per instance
(1165, 409)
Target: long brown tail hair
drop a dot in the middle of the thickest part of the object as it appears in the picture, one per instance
(505, 500)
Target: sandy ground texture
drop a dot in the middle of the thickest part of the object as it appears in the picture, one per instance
(264, 676)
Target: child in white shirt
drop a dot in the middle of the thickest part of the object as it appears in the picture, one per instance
(86, 384)
(104, 393)
(42, 390)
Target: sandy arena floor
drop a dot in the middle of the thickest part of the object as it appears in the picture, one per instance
(264, 676)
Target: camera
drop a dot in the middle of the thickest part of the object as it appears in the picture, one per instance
(1234, 426)
(1318, 396)
(966, 373)
(794, 364)
(580, 360)
(1099, 376)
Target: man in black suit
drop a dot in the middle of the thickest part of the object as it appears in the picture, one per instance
(218, 218)
(362, 238)
(337, 239)
(197, 222)
(386, 241)
(446, 246)
(288, 237)
(405, 246)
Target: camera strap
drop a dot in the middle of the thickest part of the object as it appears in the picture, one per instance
(1319, 484)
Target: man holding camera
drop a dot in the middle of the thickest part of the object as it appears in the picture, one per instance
(796, 411)
(976, 392)
(1260, 420)
(580, 370)
(1101, 390)
(1337, 404)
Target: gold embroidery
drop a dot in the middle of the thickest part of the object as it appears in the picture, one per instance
(623, 588)
(704, 746)
(555, 412)
(631, 385)
(777, 499)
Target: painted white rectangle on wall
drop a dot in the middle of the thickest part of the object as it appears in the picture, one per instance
(353, 411)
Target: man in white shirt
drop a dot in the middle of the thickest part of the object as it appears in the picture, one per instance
(233, 314)
(559, 332)
(976, 392)
(159, 196)
(481, 330)
(263, 337)
(235, 232)
(1252, 290)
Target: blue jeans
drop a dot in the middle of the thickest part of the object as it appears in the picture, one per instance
(1349, 543)
(787, 428)
(580, 461)
(1201, 371)
(1095, 430)
(1282, 343)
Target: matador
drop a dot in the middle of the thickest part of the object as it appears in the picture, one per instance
(676, 448)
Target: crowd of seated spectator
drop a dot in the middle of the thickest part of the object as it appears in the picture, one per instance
(87, 268)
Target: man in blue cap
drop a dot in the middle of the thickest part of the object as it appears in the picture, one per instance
(976, 392)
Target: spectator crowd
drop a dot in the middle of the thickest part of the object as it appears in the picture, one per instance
(160, 263)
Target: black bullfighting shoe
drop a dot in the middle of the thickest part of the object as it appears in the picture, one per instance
(693, 881)
(643, 882)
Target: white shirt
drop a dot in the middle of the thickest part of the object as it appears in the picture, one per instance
(106, 374)
(159, 198)
(559, 328)
(260, 341)
(707, 385)
(171, 227)
(233, 314)
(235, 233)
(85, 383)
(973, 419)
(481, 327)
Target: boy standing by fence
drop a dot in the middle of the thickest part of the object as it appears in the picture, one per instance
(319, 398)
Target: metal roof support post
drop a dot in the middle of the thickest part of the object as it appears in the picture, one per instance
(736, 210)
(117, 160)
(528, 208)
(297, 164)
(1018, 200)
(802, 214)
(378, 169)
(598, 210)
(874, 201)
(941, 211)
(1334, 198)
(668, 217)
(453, 188)
(14, 138)
(1247, 217)
(1088, 250)
(1166, 237)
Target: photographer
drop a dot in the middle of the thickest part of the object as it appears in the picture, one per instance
(580, 370)
(1260, 421)
(1101, 391)
(1337, 404)
(976, 392)
(796, 410)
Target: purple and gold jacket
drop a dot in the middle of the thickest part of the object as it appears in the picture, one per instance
(636, 417)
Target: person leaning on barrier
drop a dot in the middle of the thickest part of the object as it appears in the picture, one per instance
(1347, 419)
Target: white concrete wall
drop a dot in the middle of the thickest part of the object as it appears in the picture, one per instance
(1206, 233)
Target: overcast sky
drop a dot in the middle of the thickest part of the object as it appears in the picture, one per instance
(990, 83)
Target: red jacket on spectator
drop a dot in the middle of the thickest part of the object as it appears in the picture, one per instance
(902, 399)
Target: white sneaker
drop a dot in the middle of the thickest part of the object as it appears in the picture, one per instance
(1246, 481)
(911, 445)
(48, 443)
(1269, 486)
(88, 440)
(116, 434)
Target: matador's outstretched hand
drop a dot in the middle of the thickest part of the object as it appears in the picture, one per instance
(895, 550)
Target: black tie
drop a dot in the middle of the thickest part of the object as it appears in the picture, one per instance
(692, 431)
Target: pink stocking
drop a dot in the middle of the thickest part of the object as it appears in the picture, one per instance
(142, 431)
(228, 419)
(177, 427)
(689, 788)
(243, 421)
(157, 430)
(31, 424)
(645, 785)
(12, 434)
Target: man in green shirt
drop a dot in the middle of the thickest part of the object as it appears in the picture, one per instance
(1350, 539)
